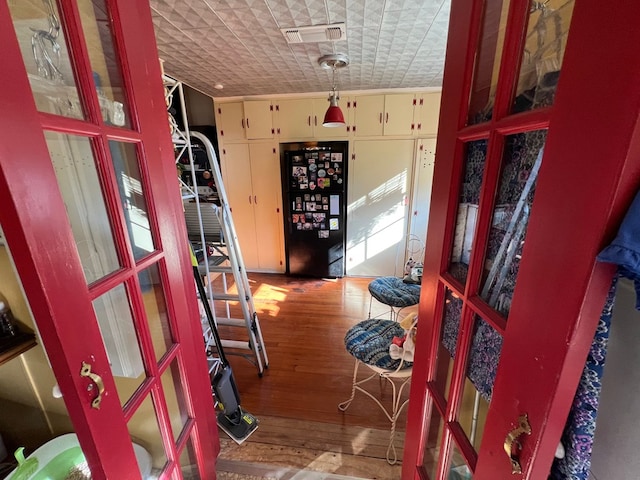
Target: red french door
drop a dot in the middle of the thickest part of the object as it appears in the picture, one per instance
(538, 156)
(91, 213)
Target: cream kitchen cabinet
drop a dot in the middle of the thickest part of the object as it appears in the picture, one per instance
(250, 120)
(230, 121)
(427, 113)
(252, 181)
(377, 115)
(302, 118)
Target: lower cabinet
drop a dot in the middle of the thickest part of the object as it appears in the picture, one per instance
(252, 181)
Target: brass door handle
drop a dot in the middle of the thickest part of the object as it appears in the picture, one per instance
(512, 439)
(86, 372)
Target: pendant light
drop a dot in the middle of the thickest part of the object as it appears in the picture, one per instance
(334, 116)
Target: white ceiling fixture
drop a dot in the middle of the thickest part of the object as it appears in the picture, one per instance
(315, 33)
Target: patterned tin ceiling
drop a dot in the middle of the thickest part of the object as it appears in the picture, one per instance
(238, 43)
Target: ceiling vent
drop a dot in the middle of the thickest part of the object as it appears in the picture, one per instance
(316, 33)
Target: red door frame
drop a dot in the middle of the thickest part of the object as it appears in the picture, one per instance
(46, 259)
(590, 173)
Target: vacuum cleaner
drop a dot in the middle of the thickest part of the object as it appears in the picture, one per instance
(236, 422)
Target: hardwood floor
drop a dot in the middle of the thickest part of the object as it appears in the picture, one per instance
(303, 322)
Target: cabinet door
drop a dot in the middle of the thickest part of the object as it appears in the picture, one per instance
(265, 178)
(258, 119)
(378, 216)
(427, 113)
(295, 118)
(237, 180)
(230, 118)
(320, 106)
(422, 183)
(368, 115)
(398, 114)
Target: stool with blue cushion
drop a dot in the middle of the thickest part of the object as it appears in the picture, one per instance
(395, 293)
(368, 341)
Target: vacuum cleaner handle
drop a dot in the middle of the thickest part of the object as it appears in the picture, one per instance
(212, 324)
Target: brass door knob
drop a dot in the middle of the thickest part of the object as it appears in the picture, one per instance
(97, 380)
(512, 440)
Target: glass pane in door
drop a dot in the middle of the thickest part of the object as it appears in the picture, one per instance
(145, 434)
(97, 27)
(520, 165)
(432, 445)
(469, 199)
(132, 197)
(188, 462)
(46, 56)
(75, 166)
(487, 62)
(121, 341)
(155, 308)
(458, 469)
(473, 413)
(448, 342)
(482, 364)
(174, 395)
(547, 32)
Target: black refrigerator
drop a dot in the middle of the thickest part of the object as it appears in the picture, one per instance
(314, 186)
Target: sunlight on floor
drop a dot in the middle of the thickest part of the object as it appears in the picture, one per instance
(328, 462)
(267, 297)
(360, 442)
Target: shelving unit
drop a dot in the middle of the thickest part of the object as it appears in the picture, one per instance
(14, 346)
(213, 237)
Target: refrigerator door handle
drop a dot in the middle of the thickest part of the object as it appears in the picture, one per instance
(255, 200)
(249, 198)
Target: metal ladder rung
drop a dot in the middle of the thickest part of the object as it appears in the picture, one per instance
(221, 269)
(231, 322)
(226, 296)
(237, 344)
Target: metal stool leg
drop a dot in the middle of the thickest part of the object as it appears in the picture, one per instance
(344, 405)
(396, 406)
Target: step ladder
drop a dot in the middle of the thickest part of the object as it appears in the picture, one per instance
(219, 253)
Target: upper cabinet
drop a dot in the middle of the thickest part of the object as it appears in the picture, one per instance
(377, 115)
(230, 121)
(302, 118)
(258, 119)
(293, 119)
(250, 120)
(426, 114)
(396, 114)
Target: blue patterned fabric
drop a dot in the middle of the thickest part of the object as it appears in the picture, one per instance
(580, 428)
(369, 341)
(625, 248)
(394, 292)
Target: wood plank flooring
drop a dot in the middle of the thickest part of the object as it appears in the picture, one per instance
(303, 322)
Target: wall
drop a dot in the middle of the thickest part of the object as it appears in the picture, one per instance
(376, 241)
(30, 414)
(617, 435)
(26, 382)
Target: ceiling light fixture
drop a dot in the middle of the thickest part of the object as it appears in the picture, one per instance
(334, 116)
